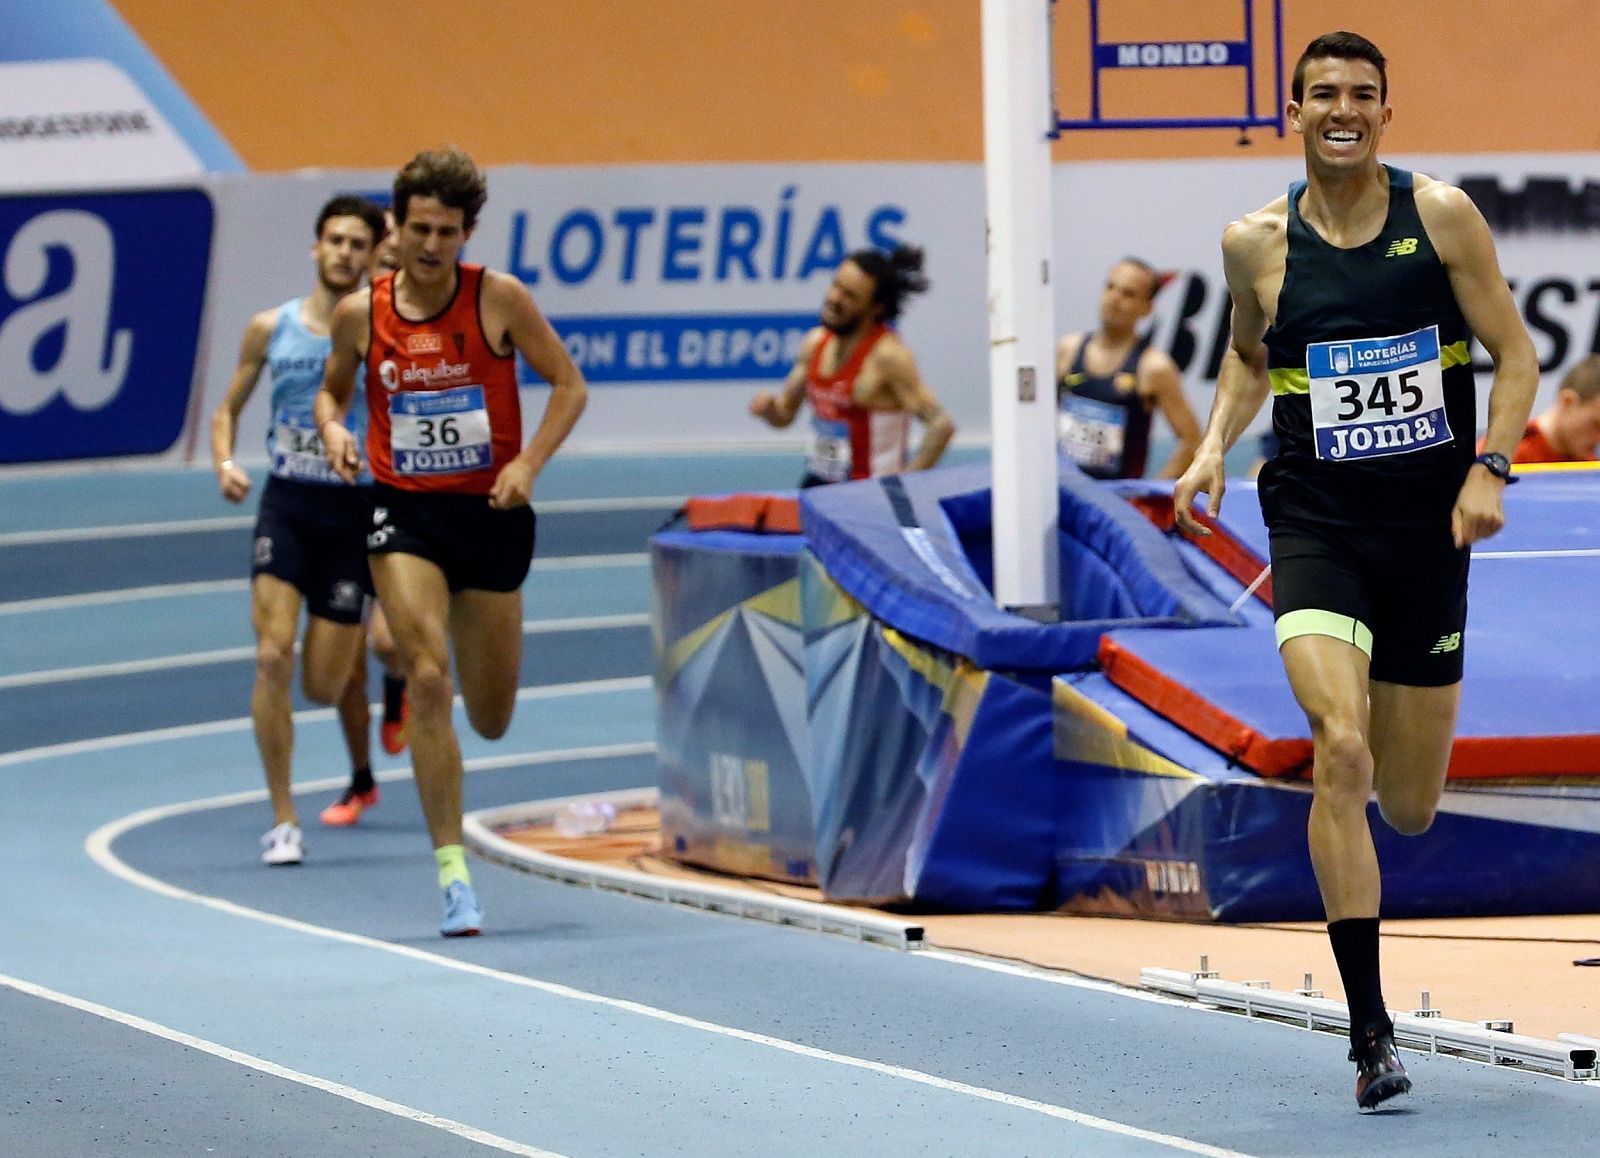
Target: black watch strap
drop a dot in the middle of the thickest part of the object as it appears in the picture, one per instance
(1497, 465)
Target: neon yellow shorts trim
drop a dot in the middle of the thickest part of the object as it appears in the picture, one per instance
(1310, 621)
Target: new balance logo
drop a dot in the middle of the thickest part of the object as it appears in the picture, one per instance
(1404, 247)
(1451, 642)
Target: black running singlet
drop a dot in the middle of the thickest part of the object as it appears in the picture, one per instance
(1374, 404)
(1101, 421)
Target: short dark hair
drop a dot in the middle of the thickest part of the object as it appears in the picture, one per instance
(347, 205)
(896, 273)
(447, 175)
(1340, 46)
(1157, 278)
(1584, 378)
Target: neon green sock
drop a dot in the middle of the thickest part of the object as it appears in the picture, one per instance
(452, 860)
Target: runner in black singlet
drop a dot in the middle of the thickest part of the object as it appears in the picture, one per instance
(1355, 298)
(1110, 383)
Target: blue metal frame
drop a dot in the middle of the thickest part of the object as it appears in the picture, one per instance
(1236, 54)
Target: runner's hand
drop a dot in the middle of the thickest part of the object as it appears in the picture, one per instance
(1480, 509)
(1204, 474)
(344, 456)
(234, 482)
(764, 405)
(513, 487)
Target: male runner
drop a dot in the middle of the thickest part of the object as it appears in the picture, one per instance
(308, 536)
(1355, 299)
(860, 378)
(1108, 384)
(452, 533)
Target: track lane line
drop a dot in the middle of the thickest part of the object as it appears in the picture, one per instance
(306, 716)
(98, 848)
(273, 1069)
(234, 654)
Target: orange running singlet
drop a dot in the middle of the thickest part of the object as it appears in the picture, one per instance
(443, 410)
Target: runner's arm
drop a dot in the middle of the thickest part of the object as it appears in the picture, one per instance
(348, 328)
(1462, 239)
(234, 482)
(539, 344)
(1242, 383)
(911, 395)
(779, 409)
(1163, 381)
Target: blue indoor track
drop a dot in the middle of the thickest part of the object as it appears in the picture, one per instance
(162, 992)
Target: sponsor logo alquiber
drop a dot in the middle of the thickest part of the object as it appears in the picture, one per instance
(441, 373)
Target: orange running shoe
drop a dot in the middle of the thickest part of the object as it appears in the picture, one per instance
(392, 733)
(347, 810)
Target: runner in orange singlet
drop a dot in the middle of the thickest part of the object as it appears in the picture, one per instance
(452, 532)
(860, 378)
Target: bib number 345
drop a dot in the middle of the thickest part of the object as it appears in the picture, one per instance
(1375, 397)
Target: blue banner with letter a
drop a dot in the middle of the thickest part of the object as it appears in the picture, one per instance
(101, 297)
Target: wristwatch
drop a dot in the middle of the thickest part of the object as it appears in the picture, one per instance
(1496, 464)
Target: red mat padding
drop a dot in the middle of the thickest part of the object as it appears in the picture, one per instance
(1473, 756)
(774, 514)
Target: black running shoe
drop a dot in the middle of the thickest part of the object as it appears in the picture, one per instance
(1379, 1074)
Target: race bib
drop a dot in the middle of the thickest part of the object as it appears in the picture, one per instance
(1376, 397)
(830, 450)
(439, 431)
(1091, 432)
(297, 451)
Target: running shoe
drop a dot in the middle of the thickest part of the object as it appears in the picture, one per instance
(392, 733)
(346, 810)
(283, 845)
(1379, 1074)
(462, 917)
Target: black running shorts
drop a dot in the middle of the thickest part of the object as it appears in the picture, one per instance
(1398, 593)
(310, 535)
(476, 546)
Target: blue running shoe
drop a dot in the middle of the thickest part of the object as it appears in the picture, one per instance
(462, 917)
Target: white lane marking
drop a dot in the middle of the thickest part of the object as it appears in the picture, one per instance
(1565, 553)
(234, 654)
(216, 586)
(307, 716)
(579, 562)
(122, 595)
(126, 531)
(272, 1069)
(98, 847)
(240, 522)
(61, 675)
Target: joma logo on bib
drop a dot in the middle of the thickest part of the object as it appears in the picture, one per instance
(1373, 397)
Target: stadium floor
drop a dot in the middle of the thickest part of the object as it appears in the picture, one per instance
(163, 992)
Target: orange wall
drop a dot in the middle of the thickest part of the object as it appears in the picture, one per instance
(365, 83)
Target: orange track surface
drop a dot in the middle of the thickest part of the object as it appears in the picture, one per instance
(1516, 968)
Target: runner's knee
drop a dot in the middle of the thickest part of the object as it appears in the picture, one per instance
(490, 720)
(1408, 817)
(274, 663)
(429, 687)
(1343, 772)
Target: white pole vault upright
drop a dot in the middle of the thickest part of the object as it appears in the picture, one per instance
(1017, 120)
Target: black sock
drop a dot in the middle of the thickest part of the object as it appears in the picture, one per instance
(393, 688)
(361, 779)
(1355, 948)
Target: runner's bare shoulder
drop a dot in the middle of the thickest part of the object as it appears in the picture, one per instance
(1256, 236)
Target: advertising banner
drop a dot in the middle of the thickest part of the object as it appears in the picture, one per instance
(683, 290)
(100, 311)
